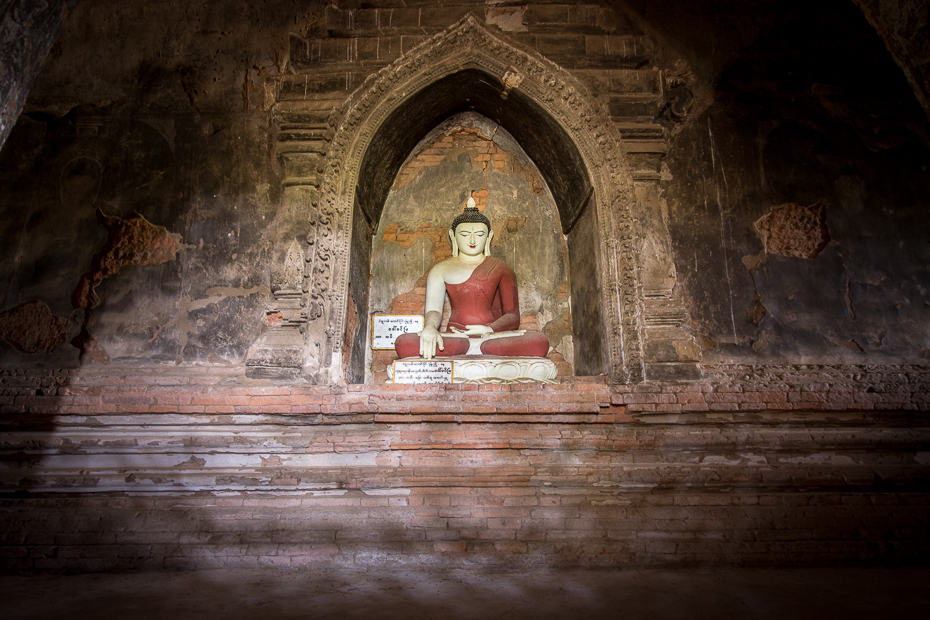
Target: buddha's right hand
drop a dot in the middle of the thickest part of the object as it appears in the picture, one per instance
(429, 339)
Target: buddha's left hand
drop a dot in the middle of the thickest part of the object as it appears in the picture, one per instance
(474, 330)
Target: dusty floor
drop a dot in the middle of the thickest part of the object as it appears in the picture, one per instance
(281, 594)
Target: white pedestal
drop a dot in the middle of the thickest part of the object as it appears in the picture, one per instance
(490, 369)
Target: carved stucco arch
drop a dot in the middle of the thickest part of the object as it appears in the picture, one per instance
(469, 46)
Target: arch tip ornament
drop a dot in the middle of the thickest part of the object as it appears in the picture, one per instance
(561, 98)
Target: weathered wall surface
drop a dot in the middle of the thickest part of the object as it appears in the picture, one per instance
(796, 199)
(27, 31)
(146, 127)
(905, 28)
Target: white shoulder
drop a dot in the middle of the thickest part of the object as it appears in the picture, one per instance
(439, 269)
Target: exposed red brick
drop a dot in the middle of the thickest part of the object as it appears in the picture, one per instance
(130, 241)
(31, 327)
(794, 230)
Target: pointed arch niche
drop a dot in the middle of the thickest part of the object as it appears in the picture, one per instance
(471, 152)
(563, 131)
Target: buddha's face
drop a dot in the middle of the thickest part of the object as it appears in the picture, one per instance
(471, 239)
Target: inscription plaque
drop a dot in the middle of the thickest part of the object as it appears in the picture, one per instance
(419, 372)
(385, 328)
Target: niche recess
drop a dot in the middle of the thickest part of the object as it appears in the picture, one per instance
(339, 201)
(545, 142)
(471, 152)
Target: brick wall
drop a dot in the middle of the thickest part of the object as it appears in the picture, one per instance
(150, 470)
(215, 390)
(465, 527)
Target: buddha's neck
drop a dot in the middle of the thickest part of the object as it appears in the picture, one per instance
(471, 260)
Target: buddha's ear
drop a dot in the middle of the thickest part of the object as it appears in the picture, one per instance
(455, 246)
(487, 246)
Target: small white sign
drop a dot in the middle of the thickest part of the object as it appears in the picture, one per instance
(418, 372)
(385, 328)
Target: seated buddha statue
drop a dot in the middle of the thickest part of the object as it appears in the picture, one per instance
(485, 317)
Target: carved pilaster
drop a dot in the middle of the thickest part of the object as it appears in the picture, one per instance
(669, 350)
(278, 353)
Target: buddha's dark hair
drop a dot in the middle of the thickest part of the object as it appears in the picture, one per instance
(471, 215)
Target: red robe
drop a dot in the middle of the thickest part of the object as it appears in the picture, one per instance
(488, 297)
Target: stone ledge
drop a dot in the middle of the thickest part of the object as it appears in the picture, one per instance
(130, 454)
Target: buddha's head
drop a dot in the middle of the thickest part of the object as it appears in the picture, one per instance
(471, 232)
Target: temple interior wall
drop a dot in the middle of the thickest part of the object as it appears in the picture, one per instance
(179, 132)
(162, 171)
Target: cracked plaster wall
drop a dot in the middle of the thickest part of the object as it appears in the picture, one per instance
(155, 116)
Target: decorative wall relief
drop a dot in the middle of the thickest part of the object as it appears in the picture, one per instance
(678, 96)
(294, 268)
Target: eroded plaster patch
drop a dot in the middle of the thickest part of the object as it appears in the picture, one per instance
(31, 327)
(508, 19)
(131, 240)
(214, 294)
(794, 230)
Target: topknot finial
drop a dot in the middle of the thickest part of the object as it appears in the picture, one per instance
(471, 215)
